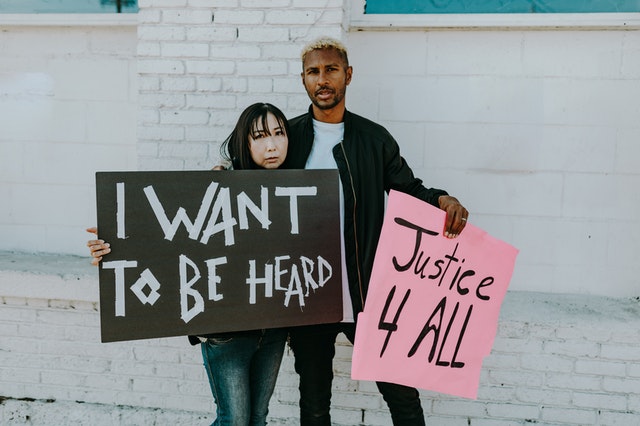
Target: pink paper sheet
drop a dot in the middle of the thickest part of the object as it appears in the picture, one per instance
(433, 303)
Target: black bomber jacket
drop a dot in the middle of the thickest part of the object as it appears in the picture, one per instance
(369, 164)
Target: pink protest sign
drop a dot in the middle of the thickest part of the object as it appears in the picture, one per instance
(433, 303)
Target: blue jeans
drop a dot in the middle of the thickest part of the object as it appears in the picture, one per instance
(314, 348)
(242, 370)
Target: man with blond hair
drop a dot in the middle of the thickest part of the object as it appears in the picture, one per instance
(369, 164)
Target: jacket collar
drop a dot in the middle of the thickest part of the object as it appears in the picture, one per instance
(346, 119)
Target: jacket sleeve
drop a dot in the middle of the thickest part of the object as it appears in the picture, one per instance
(400, 177)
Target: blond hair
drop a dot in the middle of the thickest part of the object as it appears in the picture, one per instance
(326, 43)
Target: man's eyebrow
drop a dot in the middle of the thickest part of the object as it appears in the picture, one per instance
(332, 64)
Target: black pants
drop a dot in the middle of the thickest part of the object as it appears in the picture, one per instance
(314, 348)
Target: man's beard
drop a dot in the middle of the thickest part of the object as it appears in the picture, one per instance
(328, 104)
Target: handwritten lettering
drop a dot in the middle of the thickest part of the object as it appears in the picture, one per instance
(207, 252)
(441, 266)
(303, 279)
(433, 303)
(439, 314)
(217, 205)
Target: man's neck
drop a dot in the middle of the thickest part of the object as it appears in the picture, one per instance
(333, 115)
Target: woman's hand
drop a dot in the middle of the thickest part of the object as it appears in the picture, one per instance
(97, 248)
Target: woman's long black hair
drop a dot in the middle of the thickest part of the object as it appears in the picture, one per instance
(236, 147)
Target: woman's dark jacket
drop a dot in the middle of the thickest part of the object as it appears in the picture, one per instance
(369, 164)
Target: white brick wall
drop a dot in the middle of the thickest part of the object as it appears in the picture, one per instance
(557, 360)
(535, 131)
(68, 107)
(530, 129)
(233, 55)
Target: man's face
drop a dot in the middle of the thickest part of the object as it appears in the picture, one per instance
(325, 77)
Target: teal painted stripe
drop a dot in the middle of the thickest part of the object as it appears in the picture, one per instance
(67, 6)
(500, 6)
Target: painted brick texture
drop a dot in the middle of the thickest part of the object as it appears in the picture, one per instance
(251, 51)
(535, 131)
(557, 360)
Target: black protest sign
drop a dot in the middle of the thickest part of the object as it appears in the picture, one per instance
(202, 252)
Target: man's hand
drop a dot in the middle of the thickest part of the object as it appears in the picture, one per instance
(97, 248)
(456, 215)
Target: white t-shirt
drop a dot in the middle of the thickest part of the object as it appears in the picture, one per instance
(326, 136)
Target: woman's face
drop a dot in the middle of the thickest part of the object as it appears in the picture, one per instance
(268, 147)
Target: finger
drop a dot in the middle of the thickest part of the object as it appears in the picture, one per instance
(453, 217)
(96, 249)
(96, 261)
(92, 243)
(101, 251)
(449, 222)
(458, 221)
(93, 230)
